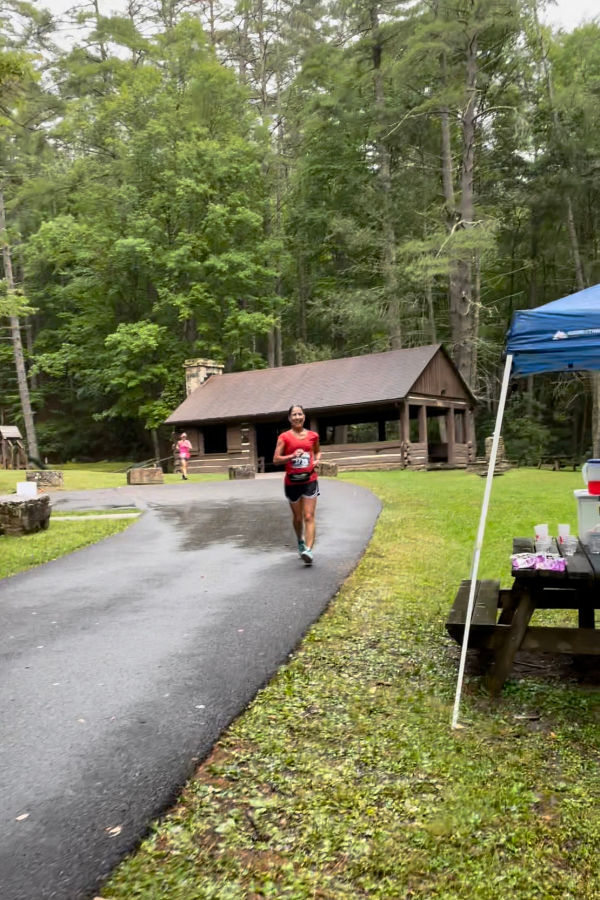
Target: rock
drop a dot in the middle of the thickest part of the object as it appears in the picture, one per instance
(236, 472)
(328, 469)
(24, 515)
(145, 476)
(45, 478)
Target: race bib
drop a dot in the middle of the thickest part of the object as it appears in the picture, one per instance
(301, 462)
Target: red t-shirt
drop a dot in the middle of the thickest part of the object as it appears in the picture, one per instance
(302, 464)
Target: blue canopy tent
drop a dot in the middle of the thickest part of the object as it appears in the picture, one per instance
(562, 336)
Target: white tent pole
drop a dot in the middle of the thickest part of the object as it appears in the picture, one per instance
(480, 534)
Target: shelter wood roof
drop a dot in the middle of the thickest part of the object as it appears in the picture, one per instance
(330, 384)
(10, 432)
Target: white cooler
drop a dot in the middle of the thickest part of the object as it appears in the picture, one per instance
(588, 513)
(27, 489)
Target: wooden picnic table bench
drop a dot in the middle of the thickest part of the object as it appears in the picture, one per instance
(557, 462)
(501, 617)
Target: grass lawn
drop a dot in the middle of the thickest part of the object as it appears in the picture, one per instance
(29, 550)
(343, 778)
(88, 476)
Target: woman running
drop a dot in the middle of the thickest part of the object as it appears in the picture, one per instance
(300, 451)
(183, 449)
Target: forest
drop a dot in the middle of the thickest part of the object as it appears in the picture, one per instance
(266, 182)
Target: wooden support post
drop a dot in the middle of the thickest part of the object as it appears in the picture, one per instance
(505, 653)
(450, 435)
(586, 616)
(405, 431)
(253, 458)
(423, 424)
(470, 435)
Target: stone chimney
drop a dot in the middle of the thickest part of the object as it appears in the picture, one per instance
(197, 371)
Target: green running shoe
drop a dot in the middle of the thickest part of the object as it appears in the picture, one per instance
(301, 547)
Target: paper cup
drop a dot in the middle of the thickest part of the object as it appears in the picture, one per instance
(563, 531)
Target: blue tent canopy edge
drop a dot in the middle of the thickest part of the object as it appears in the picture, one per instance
(561, 336)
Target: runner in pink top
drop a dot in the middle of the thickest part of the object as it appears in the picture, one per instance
(183, 448)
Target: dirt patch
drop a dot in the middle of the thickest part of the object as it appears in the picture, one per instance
(551, 667)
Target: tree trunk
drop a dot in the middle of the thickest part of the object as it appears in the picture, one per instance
(452, 216)
(581, 285)
(389, 250)
(280, 177)
(271, 348)
(155, 444)
(26, 409)
(243, 60)
(211, 23)
(574, 241)
(463, 309)
(572, 231)
(430, 311)
(302, 299)
(29, 341)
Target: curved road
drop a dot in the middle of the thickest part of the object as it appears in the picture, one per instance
(123, 662)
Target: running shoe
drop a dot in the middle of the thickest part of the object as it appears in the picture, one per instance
(307, 557)
(301, 547)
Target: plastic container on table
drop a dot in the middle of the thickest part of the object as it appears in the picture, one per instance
(593, 541)
(591, 475)
(588, 513)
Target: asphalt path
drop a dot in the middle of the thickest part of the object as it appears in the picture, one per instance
(122, 663)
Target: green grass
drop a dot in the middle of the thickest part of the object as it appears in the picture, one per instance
(105, 465)
(92, 476)
(29, 550)
(343, 778)
(82, 513)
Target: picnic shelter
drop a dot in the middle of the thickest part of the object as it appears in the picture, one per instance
(407, 408)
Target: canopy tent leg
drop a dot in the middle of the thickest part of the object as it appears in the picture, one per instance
(480, 533)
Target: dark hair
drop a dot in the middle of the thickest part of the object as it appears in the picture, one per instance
(293, 406)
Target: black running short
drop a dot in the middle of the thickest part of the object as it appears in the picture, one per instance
(294, 491)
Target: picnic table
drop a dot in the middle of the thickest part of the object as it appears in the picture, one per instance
(558, 462)
(501, 617)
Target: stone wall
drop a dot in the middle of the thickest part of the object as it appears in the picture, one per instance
(24, 516)
(145, 476)
(241, 472)
(45, 477)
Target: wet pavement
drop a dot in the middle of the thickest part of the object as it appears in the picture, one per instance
(122, 663)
